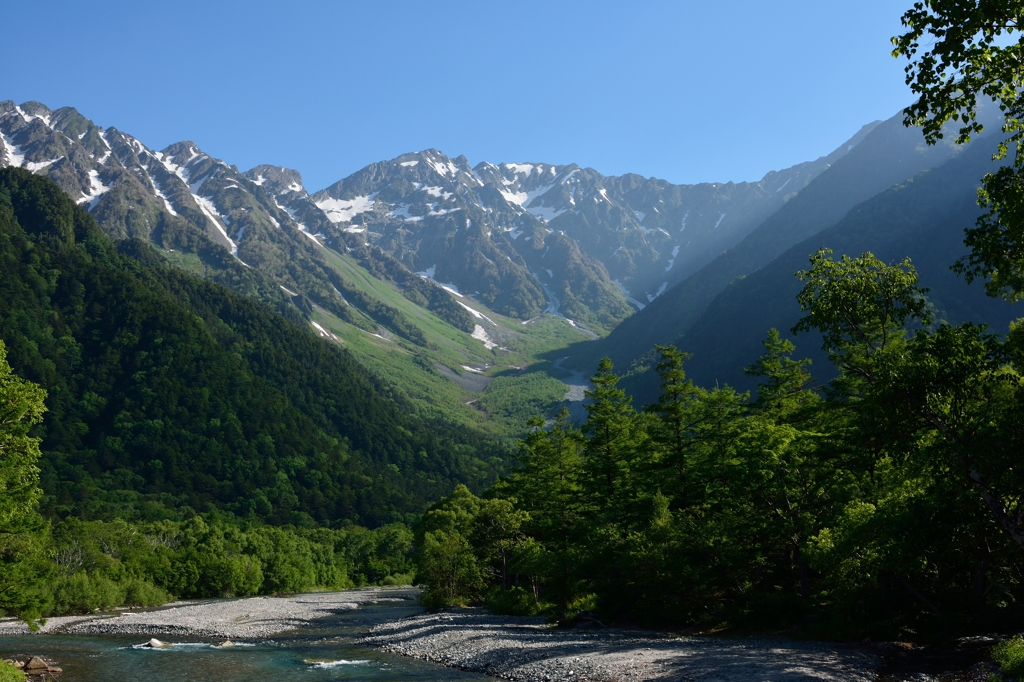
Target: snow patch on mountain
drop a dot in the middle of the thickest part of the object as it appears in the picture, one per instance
(103, 159)
(429, 274)
(402, 211)
(520, 168)
(343, 210)
(659, 292)
(160, 193)
(672, 260)
(476, 313)
(323, 332)
(546, 213)
(481, 335)
(437, 192)
(719, 222)
(40, 165)
(96, 191)
(210, 210)
(409, 164)
(31, 117)
(15, 156)
(444, 169)
(524, 200)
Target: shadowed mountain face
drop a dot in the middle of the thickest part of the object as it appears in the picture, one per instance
(923, 218)
(523, 238)
(888, 155)
(533, 236)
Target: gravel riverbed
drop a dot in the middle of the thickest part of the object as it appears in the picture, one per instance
(527, 649)
(251, 618)
(513, 648)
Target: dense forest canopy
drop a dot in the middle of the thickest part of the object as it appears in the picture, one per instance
(165, 390)
(888, 501)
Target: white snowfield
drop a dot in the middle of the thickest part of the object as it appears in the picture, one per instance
(344, 210)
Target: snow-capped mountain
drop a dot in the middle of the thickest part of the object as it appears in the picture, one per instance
(522, 238)
(586, 241)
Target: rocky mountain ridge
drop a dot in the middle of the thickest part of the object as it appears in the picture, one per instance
(522, 238)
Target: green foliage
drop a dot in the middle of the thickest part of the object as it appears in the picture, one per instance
(859, 305)
(965, 55)
(449, 568)
(1009, 655)
(960, 50)
(166, 391)
(21, 527)
(97, 565)
(516, 399)
(884, 504)
(8, 673)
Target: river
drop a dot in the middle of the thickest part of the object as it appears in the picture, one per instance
(324, 651)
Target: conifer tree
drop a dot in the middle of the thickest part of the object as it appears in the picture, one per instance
(21, 527)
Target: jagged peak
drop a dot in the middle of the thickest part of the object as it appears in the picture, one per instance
(276, 179)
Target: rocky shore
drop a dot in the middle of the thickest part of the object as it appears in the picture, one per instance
(527, 649)
(513, 648)
(251, 618)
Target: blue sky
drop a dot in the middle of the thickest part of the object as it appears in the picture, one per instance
(686, 91)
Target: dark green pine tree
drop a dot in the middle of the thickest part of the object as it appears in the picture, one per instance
(611, 432)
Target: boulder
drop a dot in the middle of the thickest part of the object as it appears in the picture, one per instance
(156, 644)
(36, 664)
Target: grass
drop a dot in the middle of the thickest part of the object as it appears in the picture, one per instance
(8, 673)
(1010, 656)
(525, 384)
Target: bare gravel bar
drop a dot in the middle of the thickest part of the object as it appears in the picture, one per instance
(527, 649)
(252, 618)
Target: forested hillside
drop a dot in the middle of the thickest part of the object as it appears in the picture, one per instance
(888, 155)
(886, 506)
(923, 218)
(165, 390)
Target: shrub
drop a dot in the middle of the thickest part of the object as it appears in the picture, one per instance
(139, 592)
(449, 569)
(8, 673)
(1010, 656)
(85, 593)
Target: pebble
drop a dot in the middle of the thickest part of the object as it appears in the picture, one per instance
(529, 650)
(246, 618)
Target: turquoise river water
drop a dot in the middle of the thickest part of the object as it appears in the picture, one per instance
(324, 651)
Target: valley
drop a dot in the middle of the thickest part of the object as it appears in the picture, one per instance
(440, 277)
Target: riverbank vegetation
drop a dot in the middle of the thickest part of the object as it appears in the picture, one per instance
(884, 503)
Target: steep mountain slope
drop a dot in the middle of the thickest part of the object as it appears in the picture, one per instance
(923, 218)
(528, 235)
(888, 155)
(165, 389)
(425, 268)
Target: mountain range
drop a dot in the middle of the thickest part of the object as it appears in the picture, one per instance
(522, 238)
(435, 271)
